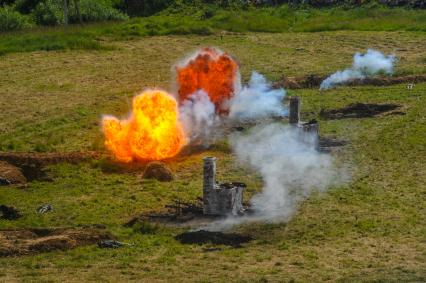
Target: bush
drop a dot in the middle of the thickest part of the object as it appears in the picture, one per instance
(26, 6)
(93, 11)
(48, 12)
(12, 20)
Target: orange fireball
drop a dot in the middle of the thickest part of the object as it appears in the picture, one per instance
(214, 72)
(152, 132)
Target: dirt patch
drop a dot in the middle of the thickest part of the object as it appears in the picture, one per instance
(32, 241)
(314, 81)
(358, 110)
(217, 238)
(10, 174)
(177, 214)
(32, 164)
(159, 171)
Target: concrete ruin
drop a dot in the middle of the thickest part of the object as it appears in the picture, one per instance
(220, 199)
(309, 131)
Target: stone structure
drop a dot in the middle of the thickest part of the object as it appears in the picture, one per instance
(294, 115)
(224, 199)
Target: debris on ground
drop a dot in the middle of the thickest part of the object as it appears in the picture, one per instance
(358, 110)
(9, 212)
(159, 171)
(111, 244)
(217, 238)
(14, 242)
(45, 208)
(10, 174)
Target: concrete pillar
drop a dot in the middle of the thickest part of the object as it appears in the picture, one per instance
(209, 183)
(311, 131)
(294, 115)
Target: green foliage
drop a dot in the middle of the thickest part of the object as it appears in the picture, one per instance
(12, 20)
(47, 42)
(94, 11)
(26, 6)
(48, 12)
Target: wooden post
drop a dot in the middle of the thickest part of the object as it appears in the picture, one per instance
(294, 114)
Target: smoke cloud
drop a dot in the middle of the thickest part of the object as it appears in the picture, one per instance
(291, 169)
(199, 118)
(364, 65)
(257, 100)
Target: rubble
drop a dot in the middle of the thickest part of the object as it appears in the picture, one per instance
(44, 208)
(111, 244)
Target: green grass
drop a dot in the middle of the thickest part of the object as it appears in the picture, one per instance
(192, 20)
(370, 229)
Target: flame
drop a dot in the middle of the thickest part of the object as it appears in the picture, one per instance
(152, 132)
(214, 72)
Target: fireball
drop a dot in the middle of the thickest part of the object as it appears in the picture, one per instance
(214, 72)
(152, 131)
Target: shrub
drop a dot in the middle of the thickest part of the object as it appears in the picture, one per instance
(93, 11)
(48, 12)
(26, 6)
(12, 20)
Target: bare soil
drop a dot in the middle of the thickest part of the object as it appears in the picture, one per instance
(314, 81)
(217, 238)
(28, 166)
(358, 110)
(17, 242)
(10, 174)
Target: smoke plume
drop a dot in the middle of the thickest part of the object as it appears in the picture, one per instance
(199, 118)
(364, 65)
(257, 100)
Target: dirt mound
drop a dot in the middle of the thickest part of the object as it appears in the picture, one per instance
(358, 110)
(44, 159)
(159, 171)
(31, 164)
(32, 241)
(10, 174)
(314, 81)
(217, 238)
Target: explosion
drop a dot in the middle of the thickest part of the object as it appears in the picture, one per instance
(152, 131)
(212, 71)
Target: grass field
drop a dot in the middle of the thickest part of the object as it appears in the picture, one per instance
(371, 229)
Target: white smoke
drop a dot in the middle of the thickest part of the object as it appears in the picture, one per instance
(257, 100)
(199, 118)
(290, 166)
(291, 169)
(364, 65)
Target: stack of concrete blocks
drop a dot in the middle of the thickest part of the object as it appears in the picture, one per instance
(219, 200)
